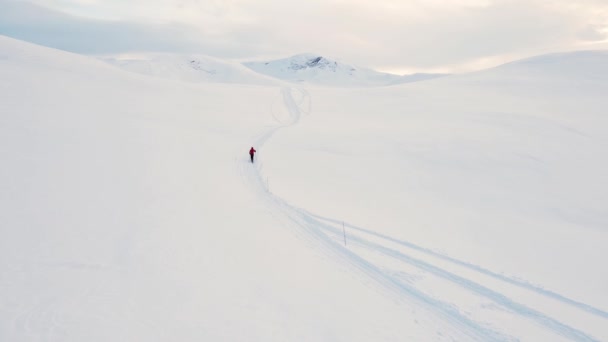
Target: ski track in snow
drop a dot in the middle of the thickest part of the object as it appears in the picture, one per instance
(325, 235)
(519, 283)
(472, 286)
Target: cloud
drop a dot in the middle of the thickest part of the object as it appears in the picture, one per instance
(57, 29)
(416, 35)
(427, 35)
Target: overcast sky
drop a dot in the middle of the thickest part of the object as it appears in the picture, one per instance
(389, 35)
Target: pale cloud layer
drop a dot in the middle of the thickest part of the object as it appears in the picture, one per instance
(407, 35)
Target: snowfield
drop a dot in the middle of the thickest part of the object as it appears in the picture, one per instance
(466, 208)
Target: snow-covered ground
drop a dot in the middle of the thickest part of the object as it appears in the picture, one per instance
(468, 208)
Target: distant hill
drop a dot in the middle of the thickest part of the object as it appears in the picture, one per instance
(316, 69)
(191, 68)
(592, 64)
(566, 67)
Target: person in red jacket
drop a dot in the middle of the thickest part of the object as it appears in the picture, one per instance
(252, 152)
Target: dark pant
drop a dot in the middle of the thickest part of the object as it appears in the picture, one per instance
(251, 154)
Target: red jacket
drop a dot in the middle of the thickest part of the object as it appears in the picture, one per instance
(252, 151)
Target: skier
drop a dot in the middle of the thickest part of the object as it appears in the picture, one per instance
(252, 152)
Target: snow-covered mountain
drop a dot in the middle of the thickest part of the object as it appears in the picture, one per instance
(470, 208)
(589, 65)
(305, 68)
(319, 70)
(190, 68)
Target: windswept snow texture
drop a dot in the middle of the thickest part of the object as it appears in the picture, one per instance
(319, 70)
(195, 68)
(470, 208)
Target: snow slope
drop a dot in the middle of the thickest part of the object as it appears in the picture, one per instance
(580, 66)
(319, 70)
(469, 208)
(193, 68)
(488, 191)
(130, 213)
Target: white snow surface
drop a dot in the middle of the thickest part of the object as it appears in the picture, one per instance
(190, 68)
(315, 69)
(467, 208)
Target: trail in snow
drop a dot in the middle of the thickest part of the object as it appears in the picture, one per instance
(544, 292)
(469, 285)
(369, 246)
(310, 227)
